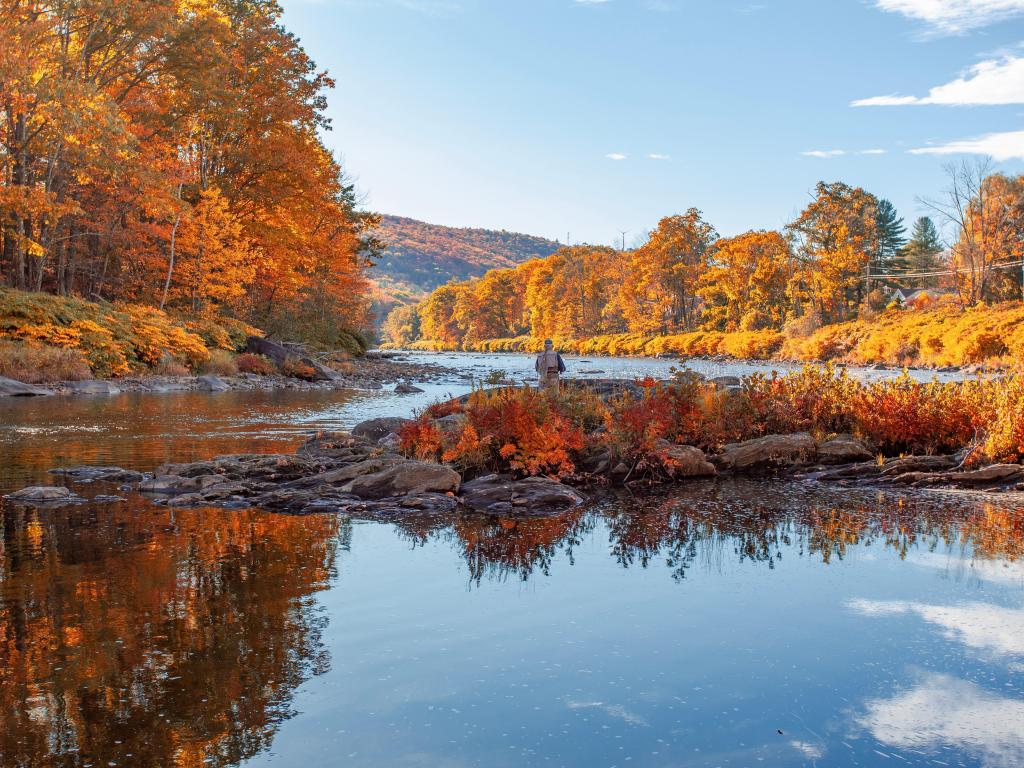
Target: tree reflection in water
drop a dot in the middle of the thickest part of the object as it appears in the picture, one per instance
(708, 523)
(134, 635)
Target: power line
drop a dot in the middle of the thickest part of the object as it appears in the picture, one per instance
(877, 276)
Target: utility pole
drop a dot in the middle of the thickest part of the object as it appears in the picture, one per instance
(623, 233)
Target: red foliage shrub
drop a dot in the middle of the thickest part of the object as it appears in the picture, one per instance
(257, 364)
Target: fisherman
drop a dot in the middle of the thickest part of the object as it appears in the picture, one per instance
(549, 365)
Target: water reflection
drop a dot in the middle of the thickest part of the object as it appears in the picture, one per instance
(942, 712)
(138, 636)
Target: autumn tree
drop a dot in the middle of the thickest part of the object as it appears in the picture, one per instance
(834, 241)
(744, 288)
(659, 292)
(986, 212)
(134, 133)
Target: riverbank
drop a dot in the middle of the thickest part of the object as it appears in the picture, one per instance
(370, 372)
(978, 338)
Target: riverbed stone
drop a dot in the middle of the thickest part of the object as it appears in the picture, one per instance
(92, 387)
(768, 452)
(212, 383)
(45, 494)
(404, 388)
(403, 479)
(503, 494)
(12, 388)
(87, 474)
(375, 429)
(843, 449)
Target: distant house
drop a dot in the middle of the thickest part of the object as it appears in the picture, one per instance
(908, 297)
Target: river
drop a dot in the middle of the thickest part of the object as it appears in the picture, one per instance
(731, 623)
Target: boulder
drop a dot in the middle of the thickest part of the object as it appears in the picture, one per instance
(212, 383)
(405, 478)
(402, 388)
(104, 474)
(502, 494)
(92, 387)
(768, 452)
(685, 460)
(45, 494)
(726, 382)
(345, 474)
(843, 449)
(374, 429)
(12, 388)
(279, 353)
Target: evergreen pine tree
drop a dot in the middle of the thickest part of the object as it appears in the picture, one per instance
(889, 233)
(924, 252)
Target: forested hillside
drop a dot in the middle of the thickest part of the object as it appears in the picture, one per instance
(168, 154)
(826, 278)
(418, 256)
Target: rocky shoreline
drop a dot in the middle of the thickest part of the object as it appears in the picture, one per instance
(372, 372)
(362, 473)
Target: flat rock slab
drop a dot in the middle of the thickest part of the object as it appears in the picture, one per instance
(686, 460)
(45, 494)
(92, 387)
(406, 389)
(104, 474)
(12, 388)
(409, 477)
(501, 494)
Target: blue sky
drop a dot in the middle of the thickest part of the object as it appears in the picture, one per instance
(595, 116)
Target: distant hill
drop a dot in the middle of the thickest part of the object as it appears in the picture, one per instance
(420, 256)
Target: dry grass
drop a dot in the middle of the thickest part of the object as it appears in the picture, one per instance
(41, 364)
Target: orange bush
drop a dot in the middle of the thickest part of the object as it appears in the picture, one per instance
(247, 362)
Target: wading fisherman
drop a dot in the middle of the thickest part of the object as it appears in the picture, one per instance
(549, 365)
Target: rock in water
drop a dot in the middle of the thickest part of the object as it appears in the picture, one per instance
(408, 477)
(105, 474)
(843, 449)
(501, 494)
(375, 429)
(406, 389)
(12, 388)
(769, 452)
(211, 383)
(45, 494)
(93, 387)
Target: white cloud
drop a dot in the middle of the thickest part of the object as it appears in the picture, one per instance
(824, 153)
(872, 152)
(1000, 146)
(591, 2)
(989, 82)
(615, 156)
(954, 16)
(982, 626)
(944, 712)
(657, 156)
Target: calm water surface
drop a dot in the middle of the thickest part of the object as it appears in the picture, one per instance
(733, 623)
